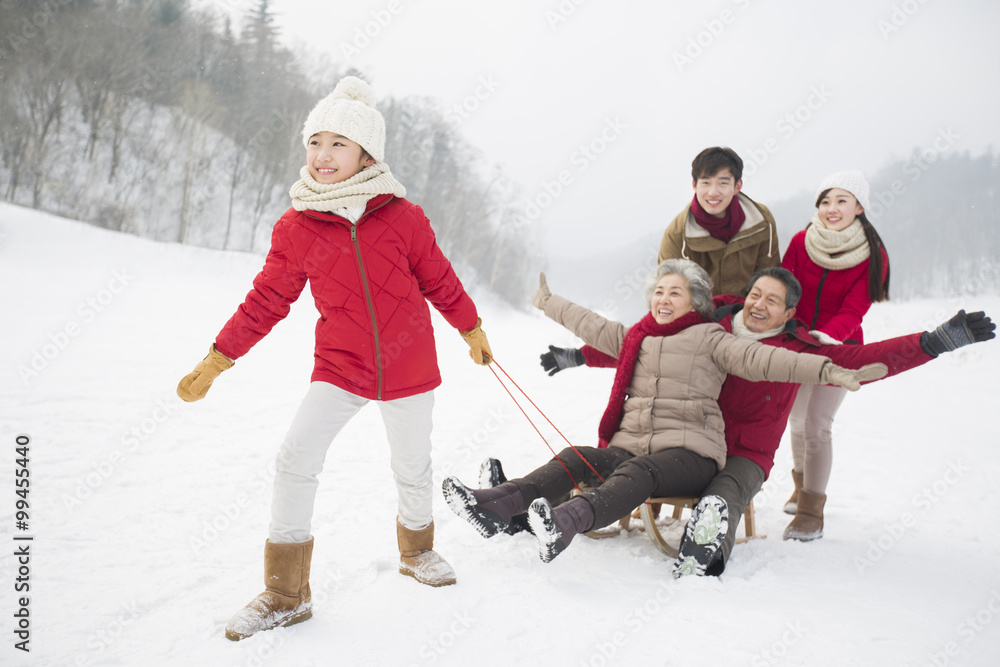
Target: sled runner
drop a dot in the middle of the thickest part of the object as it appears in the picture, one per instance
(649, 512)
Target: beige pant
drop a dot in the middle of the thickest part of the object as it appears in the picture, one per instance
(811, 423)
(325, 410)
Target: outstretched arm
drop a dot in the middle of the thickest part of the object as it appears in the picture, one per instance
(961, 330)
(600, 332)
(275, 289)
(754, 361)
(441, 287)
(898, 354)
(907, 352)
(559, 358)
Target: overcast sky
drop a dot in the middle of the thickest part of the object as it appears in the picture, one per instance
(798, 89)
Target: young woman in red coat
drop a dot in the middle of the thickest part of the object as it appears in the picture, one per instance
(844, 268)
(372, 264)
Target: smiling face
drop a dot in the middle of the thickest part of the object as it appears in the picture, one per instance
(332, 158)
(716, 192)
(838, 208)
(671, 299)
(764, 308)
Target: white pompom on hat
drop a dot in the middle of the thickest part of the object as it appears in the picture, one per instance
(851, 180)
(350, 112)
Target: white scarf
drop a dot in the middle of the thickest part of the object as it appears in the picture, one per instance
(308, 195)
(740, 329)
(837, 249)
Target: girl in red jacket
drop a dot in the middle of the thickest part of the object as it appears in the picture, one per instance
(372, 263)
(843, 267)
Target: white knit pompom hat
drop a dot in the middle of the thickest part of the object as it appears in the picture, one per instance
(350, 112)
(851, 180)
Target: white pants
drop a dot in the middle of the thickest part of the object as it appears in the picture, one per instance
(811, 424)
(325, 410)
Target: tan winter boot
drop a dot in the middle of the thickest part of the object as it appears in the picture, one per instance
(418, 559)
(286, 599)
(792, 503)
(808, 522)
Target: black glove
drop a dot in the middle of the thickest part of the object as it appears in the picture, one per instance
(962, 329)
(558, 358)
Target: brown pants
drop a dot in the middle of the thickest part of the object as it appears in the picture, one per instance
(629, 480)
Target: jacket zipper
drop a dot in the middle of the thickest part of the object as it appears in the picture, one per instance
(371, 312)
(368, 300)
(368, 295)
(819, 292)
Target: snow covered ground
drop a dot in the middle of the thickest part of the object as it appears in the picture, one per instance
(149, 514)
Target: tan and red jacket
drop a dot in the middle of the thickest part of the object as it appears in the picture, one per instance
(755, 413)
(673, 396)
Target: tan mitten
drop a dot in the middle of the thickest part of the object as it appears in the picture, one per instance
(479, 347)
(852, 379)
(195, 384)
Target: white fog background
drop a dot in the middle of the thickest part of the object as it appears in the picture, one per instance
(798, 89)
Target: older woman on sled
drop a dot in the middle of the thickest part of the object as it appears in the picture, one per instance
(662, 433)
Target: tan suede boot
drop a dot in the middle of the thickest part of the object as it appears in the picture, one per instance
(791, 505)
(286, 599)
(418, 559)
(808, 522)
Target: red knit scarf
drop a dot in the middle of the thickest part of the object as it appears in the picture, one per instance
(627, 359)
(724, 228)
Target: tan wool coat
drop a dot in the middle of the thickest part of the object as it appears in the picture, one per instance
(729, 265)
(673, 398)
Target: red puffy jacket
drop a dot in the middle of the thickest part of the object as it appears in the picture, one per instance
(371, 282)
(833, 301)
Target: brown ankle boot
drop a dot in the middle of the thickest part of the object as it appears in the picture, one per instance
(808, 522)
(418, 559)
(286, 599)
(792, 503)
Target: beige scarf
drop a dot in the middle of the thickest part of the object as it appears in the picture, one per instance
(836, 250)
(740, 329)
(308, 195)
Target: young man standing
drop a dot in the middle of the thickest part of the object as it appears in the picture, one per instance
(722, 230)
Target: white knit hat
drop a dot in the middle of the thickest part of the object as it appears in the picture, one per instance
(350, 112)
(851, 180)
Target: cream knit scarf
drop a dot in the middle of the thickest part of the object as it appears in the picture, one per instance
(308, 195)
(740, 329)
(836, 250)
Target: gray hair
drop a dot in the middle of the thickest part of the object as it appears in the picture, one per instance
(793, 288)
(699, 284)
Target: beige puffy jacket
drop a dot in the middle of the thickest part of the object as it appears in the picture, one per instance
(673, 397)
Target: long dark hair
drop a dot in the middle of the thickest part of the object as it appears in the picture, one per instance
(878, 289)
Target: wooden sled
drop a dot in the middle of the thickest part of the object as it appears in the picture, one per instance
(649, 512)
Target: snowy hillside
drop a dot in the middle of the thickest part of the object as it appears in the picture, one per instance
(149, 514)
